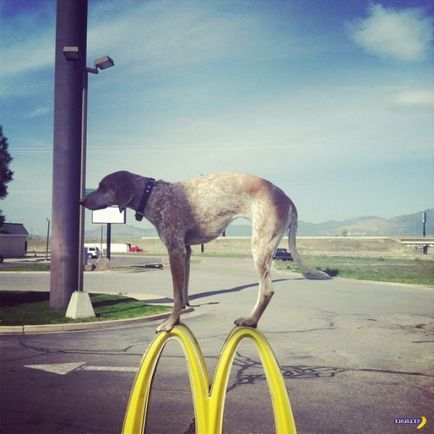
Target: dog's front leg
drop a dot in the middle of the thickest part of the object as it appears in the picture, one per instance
(177, 258)
(185, 301)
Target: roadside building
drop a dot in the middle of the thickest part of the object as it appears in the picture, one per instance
(13, 240)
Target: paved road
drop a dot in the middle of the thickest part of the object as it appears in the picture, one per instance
(354, 356)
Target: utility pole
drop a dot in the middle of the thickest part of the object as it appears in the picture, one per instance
(424, 224)
(100, 238)
(48, 239)
(71, 31)
(109, 241)
(425, 247)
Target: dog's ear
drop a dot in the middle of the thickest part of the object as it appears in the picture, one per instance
(124, 190)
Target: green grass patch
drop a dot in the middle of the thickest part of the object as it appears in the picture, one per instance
(418, 271)
(32, 308)
(26, 267)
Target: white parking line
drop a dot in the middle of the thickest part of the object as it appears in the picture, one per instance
(66, 368)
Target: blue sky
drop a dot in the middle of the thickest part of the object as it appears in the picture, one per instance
(331, 100)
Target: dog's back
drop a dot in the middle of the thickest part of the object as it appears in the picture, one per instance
(214, 201)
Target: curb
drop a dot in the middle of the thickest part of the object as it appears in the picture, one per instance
(83, 326)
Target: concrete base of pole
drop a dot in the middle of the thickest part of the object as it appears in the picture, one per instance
(80, 306)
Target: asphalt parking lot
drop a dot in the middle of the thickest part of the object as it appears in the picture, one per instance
(354, 355)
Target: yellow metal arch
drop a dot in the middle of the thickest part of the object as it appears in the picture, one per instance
(208, 400)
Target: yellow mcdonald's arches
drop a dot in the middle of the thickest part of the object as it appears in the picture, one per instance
(422, 423)
(208, 399)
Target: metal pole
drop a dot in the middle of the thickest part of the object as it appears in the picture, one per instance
(424, 224)
(82, 181)
(100, 238)
(71, 30)
(109, 241)
(48, 238)
(425, 247)
(202, 247)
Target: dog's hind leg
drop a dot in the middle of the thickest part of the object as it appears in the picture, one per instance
(263, 246)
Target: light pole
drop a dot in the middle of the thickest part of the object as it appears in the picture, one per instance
(425, 247)
(48, 239)
(424, 224)
(71, 30)
(73, 54)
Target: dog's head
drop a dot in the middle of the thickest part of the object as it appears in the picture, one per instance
(114, 189)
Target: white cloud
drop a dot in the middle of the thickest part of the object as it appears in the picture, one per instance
(185, 33)
(31, 54)
(37, 112)
(27, 38)
(151, 34)
(402, 34)
(415, 99)
(305, 131)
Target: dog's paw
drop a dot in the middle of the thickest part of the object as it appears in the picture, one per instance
(246, 322)
(167, 325)
(164, 327)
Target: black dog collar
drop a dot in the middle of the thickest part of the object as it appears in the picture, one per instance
(150, 184)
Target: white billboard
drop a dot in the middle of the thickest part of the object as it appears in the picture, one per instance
(109, 215)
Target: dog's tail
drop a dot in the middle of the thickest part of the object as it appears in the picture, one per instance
(308, 272)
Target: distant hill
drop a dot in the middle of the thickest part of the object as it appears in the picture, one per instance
(408, 225)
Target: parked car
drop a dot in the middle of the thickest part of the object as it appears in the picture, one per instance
(135, 249)
(93, 252)
(282, 255)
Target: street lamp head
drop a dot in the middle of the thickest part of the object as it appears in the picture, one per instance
(71, 53)
(104, 62)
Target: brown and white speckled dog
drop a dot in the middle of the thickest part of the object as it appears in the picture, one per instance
(197, 211)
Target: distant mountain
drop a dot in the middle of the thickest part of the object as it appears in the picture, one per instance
(409, 225)
(406, 225)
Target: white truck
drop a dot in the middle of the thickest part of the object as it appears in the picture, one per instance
(114, 247)
(120, 247)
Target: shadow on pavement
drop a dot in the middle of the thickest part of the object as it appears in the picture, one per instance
(210, 293)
